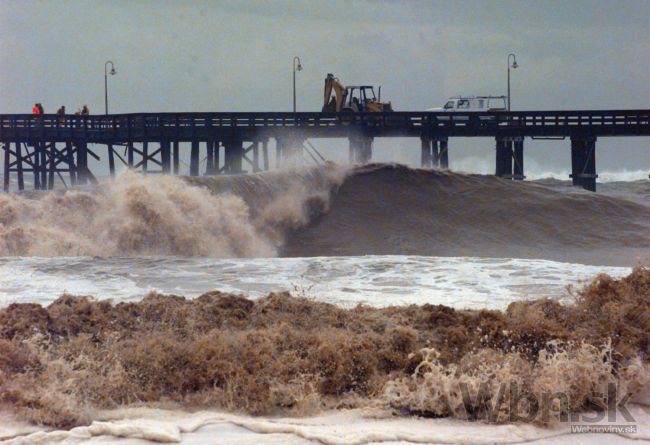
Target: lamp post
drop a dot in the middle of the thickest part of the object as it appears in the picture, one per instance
(514, 66)
(295, 68)
(106, 73)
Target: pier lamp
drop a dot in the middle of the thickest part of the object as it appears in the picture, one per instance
(513, 66)
(106, 73)
(297, 67)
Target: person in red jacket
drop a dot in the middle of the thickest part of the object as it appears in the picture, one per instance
(36, 109)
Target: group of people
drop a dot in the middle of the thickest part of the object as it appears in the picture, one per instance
(38, 109)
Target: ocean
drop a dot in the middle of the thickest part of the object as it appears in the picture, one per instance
(336, 305)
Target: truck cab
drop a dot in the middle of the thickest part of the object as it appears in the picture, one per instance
(362, 99)
(462, 104)
(358, 97)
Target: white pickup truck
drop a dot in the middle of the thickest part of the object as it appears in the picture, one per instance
(473, 103)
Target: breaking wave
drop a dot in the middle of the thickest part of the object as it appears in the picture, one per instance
(164, 215)
(61, 363)
(328, 211)
(391, 209)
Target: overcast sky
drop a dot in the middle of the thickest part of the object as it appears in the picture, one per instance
(237, 56)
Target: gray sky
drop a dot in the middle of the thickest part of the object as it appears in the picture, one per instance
(237, 56)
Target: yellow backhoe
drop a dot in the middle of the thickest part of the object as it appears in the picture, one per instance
(356, 99)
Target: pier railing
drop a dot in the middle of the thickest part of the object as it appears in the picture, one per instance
(524, 123)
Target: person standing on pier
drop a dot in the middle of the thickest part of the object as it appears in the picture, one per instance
(61, 113)
(85, 112)
(40, 108)
(36, 109)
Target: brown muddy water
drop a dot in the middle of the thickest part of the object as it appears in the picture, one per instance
(329, 349)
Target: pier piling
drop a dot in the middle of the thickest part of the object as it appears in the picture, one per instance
(503, 158)
(431, 156)
(518, 159)
(111, 161)
(360, 149)
(435, 153)
(265, 153)
(52, 166)
(194, 158)
(7, 161)
(289, 148)
(19, 166)
(233, 156)
(72, 166)
(82, 162)
(510, 157)
(583, 162)
(444, 153)
(165, 156)
(209, 160)
(426, 160)
(175, 157)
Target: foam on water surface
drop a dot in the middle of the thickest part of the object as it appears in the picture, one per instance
(345, 427)
(379, 281)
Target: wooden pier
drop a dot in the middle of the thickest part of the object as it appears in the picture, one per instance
(51, 147)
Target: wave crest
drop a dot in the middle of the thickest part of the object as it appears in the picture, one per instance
(162, 215)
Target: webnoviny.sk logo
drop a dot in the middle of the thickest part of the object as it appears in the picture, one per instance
(515, 405)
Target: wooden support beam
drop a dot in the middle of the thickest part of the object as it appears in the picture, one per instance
(43, 165)
(435, 154)
(209, 164)
(36, 165)
(577, 160)
(92, 153)
(589, 170)
(425, 152)
(360, 149)
(129, 153)
(265, 154)
(19, 166)
(151, 157)
(583, 162)
(175, 157)
(52, 166)
(82, 162)
(136, 151)
(165, 156)
(256, 156)
(444, 153)
(503, 158)
(366, 153)
(111, 160)
(217, 151)
(591, 165)
(518, 159)
(279, 151)
(194, 158)
(247, 159)
(72, 165)
(7, 170)
(234, 155)
(145, 156)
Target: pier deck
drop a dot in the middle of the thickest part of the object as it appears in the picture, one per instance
(49, 145)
